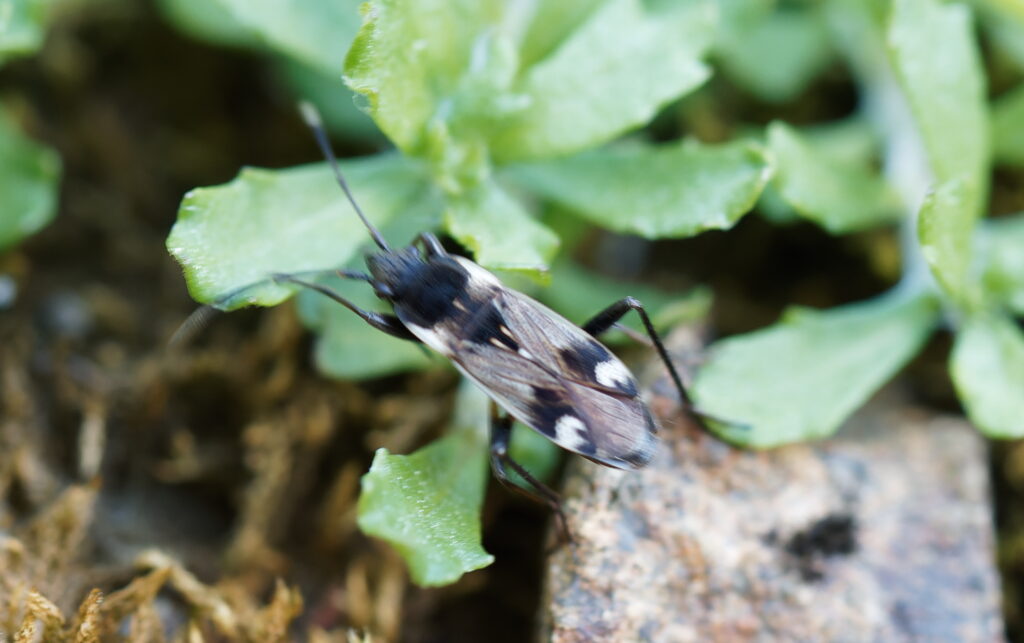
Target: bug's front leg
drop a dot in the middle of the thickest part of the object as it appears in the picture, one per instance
(389, 324)
(202, 315)
(501, 436)
(431, 244)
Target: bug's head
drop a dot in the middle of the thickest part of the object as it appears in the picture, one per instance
(392, 271)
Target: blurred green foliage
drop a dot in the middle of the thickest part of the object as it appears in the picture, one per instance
(29, 172)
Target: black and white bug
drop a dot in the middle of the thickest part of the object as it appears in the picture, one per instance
(537, 366)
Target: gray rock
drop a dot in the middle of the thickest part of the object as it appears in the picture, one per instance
(883, 533)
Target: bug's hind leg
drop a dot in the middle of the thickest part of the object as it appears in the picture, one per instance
(611, 315)
(501, 435)
(608, 317)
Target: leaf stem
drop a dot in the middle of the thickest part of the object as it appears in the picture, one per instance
(904, 158)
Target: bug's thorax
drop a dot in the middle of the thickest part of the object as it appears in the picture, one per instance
(424, 290)
(394, 271)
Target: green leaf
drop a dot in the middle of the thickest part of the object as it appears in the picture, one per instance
(500, 233)
(209, 20)
(551, 24)
(1008, 128)
(857, 29)
(772, 207)
(1000, 245)
(674, 190)
(410, 56)
(987, 365)
(850, 141)
(427, 505)
(334, 100)
(945, 228)
(938, 64)
(775, 54)
(22, 26)
(314, 32)
(29, 174)
(802, 377)
(609, 76)
(443, 75)
(841, 197)
(230, 238)
(1004, 20)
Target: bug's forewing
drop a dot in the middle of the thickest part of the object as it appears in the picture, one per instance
(615, 431)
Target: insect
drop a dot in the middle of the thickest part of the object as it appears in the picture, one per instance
(536, 366)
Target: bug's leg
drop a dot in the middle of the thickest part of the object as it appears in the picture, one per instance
(382, 322)
(312, 274)
(610, 316)
(501, 435)
(634, 335)
(201, 317)
(430, 243)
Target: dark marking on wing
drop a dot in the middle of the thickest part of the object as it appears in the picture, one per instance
(560, 346)
(552, 406)
(582, 357)
(581, 360)
(547, 395)
(487, 326)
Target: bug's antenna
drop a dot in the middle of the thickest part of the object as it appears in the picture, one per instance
(192, 326)
(312, 118)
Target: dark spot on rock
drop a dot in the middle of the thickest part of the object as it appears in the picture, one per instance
(833, 535)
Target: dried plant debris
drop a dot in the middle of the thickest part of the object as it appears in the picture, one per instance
(137, 608)
(208, 494)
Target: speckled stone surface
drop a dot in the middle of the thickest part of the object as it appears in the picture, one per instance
(883, 533)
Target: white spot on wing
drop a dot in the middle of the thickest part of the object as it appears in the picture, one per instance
(570, 432)
(430, 338)
(478, 276)
(612, 373)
